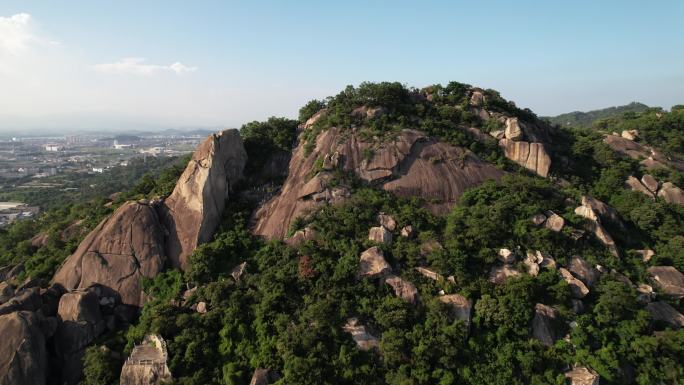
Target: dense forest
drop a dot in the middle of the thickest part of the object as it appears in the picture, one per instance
(288, 309)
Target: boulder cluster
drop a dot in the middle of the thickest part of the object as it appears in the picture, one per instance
(649, 186)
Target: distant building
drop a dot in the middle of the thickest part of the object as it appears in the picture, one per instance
(53, 147)
(98, 169)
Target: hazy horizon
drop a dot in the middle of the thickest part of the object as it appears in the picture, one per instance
(156, 65)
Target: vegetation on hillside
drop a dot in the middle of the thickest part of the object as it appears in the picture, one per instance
(587, 119)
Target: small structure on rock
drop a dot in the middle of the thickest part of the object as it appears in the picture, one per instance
(147, 363)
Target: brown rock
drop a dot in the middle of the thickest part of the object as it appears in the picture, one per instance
(202, 307)
(23, 358)
(543, 324)
(584, 271)
(430, 246)
(499, 274)
(662, 311)
(80, 306)
(117, 254)
(315, 118)
(671, 193)
(538, 219)
(669, 280)
(373, 263)
(24, 300)
(645, 292)
(646, 254)
(532, 156)
(650, 183)
(461, 307)
(193, 211)
(577, 287)
(238, 270)
(630, 134)
(554, 222)
(546, 261)
(477, 98)
(39, 240)
(364, 340)
(261, 377)
(431, 274)
(403, 288)
(387, 221)
(301, 236)
(532, 261)
(513, 130)
(6, 292)
(506, 256)
(635, 185)
(582, 376)
(147, 364)
(411, 164)
(601, 211)
(603, 236)
(407, 231)
(380, 235)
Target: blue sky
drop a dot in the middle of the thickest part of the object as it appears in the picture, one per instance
(129, 64)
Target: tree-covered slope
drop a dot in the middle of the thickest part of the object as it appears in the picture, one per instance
(523, 280)
(587, 119)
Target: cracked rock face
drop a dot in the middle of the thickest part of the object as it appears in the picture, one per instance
(532, 156)
(193, 211)
(410, 164)
(23, 358)
(117, 254)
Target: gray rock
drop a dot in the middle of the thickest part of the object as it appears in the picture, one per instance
(380, 235)
(669, 280)
(662, 311)
(582, 376)
(543, 324)
(584, 271)
(23, 358)
(372, 263)
(403, 288)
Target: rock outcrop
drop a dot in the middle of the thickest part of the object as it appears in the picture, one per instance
(577, 288)
(372, 263)
(380, 234)
(532, 156)
(364, 340)
(193, 211)
(662, 311)
(669, 280)
(543, 328)
(403, 288)
(461, 307)
(581, 269)
(582, 376)
(147, 363)
(23, 357)
(499, 274)
(431, 274)
(671, 193)
(118, 253)
(409, 164)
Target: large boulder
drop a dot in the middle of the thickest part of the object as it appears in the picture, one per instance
(662, 311)
(581, 269)
(499, 274)
(582, 376)
(147, 363)
(532, 156)
(403, 288)
(461, 307)
(380, 234)
(372, 263)
(82, 322)
(543, 328)
(24, 300)
(118, 253)
(409, 164)
(577, 288)
(669, 280)
(195, 207)
(671, 193)
(23, 358)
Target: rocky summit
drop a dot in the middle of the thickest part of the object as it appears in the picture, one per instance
(389, 235)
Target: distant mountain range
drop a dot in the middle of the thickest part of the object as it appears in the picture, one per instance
(586, 119)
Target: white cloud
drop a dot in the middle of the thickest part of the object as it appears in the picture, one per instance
(138, 66)
(17, 35)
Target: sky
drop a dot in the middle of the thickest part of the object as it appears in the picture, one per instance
(106, 66)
